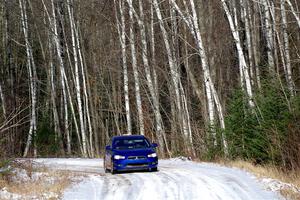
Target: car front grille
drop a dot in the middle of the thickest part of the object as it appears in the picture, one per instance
(137, 165)
(136, 157)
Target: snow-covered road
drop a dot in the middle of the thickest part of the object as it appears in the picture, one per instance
(176, 179)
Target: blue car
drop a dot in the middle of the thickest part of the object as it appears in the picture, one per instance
(130, 152)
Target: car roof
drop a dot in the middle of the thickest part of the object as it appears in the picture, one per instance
(128, 137)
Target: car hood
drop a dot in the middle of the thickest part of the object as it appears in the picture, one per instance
(134, 152)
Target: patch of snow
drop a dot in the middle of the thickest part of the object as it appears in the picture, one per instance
(177, 178)
(20, 175)
(4, 194)
(276, 185)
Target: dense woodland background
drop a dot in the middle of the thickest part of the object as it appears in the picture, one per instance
(208, 79)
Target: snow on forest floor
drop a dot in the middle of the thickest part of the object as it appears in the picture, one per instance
(176, 179)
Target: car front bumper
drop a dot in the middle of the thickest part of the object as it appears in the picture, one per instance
(138, 164)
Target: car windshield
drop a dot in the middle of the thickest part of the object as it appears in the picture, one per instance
(131, 144)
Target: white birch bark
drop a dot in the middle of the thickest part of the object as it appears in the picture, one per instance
(62, 69)
(73, 113)
(211, 93)
(152, 42)
(187, 124)
(135, 71)
(255, 39)
(171, 61)
(269, 35)
(64, 80)
(77, 81)
(2, 101)
(67, 97)
(175, 52)
(53, 92)
(32, 79)
(236, 24)
(245, 15)
(294, 12)
(287, 48)
(151, 84)
(85, 92)
(122, 37)
(242, 61)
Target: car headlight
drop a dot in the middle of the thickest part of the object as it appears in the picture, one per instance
(152, 155)
(118, 157)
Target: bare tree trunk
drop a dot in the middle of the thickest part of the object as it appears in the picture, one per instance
(242, 61)
(85, 92)
(135, 71)
(121, 31)
(2, 101)
(152, 88)
(61, 63)
(269, 35)
(53, 94)
(171, 61)
(255, 39)
(245, 15)
(32, 80)
(152, 42)
(294, 12)
(77, 81)
(211, 94)
(287, 49)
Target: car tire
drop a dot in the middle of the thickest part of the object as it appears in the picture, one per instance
(154, 169)
(112, 170)
(105, 168)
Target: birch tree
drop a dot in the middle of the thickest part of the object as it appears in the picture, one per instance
(191, 20)
(32, 79)
(77, 80)
(122, 37)
(286, 48)
(135, 71)
(268, 34)
(173, 68)
(242, 62)
(294, 12)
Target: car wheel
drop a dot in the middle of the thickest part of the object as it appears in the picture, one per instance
(112, 170)
(104, 165)
(154, 169)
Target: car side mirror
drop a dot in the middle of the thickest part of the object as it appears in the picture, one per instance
(107, 148)
(154, 145)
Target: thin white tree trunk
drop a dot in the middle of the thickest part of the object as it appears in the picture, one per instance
(269, 35)
(122, 37)
(32, 80)
(287, 48)
(62, 68)
(236, 24)
(175, 52)
(255, 39)
(245, 15)
(53, 91)
(294, 12)
(151, 86)
(211, 93)
(77, 81)
(2, 101)
(85, 92)
(152, 42)
(242, 61)
(135, 71)
(64, 81)
(171, 61)
(187, 123)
